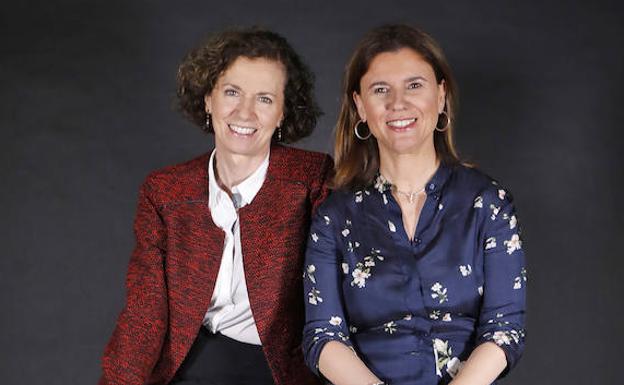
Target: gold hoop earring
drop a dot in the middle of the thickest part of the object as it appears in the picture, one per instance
(443, 117)
(357, 133)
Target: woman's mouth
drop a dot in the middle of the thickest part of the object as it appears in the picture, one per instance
(242, 130)
(401, 124)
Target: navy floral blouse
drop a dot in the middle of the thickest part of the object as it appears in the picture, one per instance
(413, 311)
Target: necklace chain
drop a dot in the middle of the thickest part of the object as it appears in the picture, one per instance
(382, 184)
(411, 195)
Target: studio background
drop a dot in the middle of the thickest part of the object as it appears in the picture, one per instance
(86, 92)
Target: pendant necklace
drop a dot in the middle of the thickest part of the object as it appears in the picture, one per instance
(411, 195)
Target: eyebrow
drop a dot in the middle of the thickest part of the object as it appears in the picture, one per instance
(415, 78)
(264, 93)
(231, 85)
(376, 84)
(382, 83)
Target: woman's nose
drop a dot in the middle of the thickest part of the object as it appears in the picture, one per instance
(246, 109)
(397, 101)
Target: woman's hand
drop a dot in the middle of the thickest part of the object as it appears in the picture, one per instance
(484, 365)
(340, 365)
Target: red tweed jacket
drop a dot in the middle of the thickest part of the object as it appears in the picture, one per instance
(174, 267)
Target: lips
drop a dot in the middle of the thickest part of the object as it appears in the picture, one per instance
(242, 130)
(401, 123)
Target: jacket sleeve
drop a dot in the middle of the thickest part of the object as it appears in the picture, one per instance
(504, 293)
(135, 345)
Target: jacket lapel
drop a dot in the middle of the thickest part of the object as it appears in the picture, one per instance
(195, 247)
(271, 263)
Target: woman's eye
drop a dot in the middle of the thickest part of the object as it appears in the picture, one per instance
(380, 90)
(414, 85)
(265, 99)
(231, 92)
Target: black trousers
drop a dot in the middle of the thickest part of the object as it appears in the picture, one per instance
(215, 359)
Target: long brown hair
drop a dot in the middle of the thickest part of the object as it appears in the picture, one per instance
(357, 161)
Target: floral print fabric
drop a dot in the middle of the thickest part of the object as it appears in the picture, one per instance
(413, 311)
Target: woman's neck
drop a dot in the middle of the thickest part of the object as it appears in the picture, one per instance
(232, 169)
(408, 172)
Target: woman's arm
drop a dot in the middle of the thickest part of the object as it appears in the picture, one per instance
(500, 332)
(483, 366)
(137, 339)
(326, 341)
(340, 365)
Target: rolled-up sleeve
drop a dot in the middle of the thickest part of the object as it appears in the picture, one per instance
(504, 291)
(325, 319)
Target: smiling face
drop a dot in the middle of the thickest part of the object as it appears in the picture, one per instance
(247, 105)
(400, 100)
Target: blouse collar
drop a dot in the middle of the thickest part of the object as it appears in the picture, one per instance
(244, 192)
(434, 185)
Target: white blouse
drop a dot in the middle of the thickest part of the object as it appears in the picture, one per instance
(229, 312)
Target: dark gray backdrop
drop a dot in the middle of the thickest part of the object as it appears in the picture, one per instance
(85, 114)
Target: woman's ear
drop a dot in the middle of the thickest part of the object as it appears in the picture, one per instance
(208, 103)
(360, 106)
(441, 96)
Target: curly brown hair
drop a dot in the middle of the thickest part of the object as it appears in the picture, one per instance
(201, 68)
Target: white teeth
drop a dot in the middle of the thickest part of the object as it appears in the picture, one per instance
(242, 130)
(401, 123)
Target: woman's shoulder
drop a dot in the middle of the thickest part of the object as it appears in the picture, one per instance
(287, 153)
(196, 167)
(299, 165)
(471, 180)
(340, 202)
(186, 180)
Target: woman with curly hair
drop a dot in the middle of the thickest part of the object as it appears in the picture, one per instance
(214, 282)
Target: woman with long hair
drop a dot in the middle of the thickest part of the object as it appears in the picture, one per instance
(414, 263)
